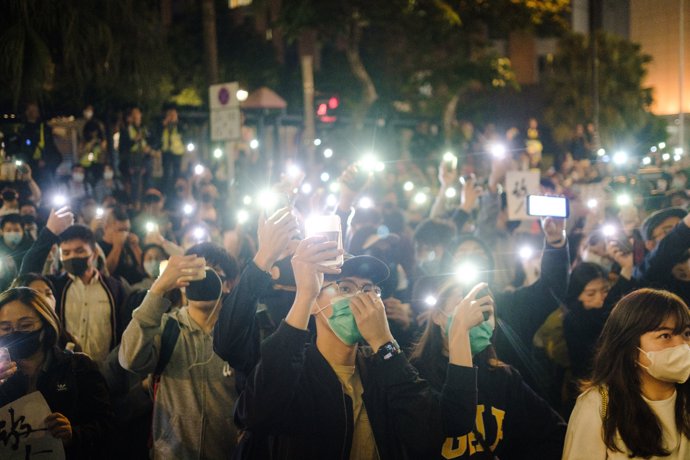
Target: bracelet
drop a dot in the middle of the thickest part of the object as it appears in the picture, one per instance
(388, 350)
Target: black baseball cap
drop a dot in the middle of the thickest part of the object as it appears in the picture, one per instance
(655, 219)
(366, 267)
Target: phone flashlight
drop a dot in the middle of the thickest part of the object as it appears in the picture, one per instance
(59, 200)
(526, 252)
(199, 169)
(150, 227)
(498, 150)
(187, 209)
(100, 212)
(430, 301)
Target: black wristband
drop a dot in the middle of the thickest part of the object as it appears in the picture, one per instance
(388, 350)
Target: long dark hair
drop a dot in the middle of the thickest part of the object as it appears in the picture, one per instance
(616, 368)
(32, 299)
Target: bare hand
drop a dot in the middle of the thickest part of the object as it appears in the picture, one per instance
(398, 312)
(60, 220)
(59, 426)
(118, 238)
(179, 272)
(307, 265)
(370, 316)
(470, 193)
(274, 234)
(470, 312)
(622, 258)
(445, 176)
(7, 370)
(133, 240)
(554, 231)
(26, 175)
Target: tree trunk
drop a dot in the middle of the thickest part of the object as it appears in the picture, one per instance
(306, 46)
(166, 14)
(208, 18)
(369, 94)
(449, 116)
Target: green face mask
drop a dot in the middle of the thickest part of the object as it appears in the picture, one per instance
(480, 335)
(343, 323)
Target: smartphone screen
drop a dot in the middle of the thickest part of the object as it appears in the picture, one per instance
(547, 206)
(329, 227)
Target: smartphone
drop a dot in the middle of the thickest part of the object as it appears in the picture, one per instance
(359, 180)
(328, 226)
(450, 162)
(621, 241)
(547, 206)
(5, 358)
(483, 293)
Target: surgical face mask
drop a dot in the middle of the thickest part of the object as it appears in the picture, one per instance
(108, 175)
(343, 323)
(22, 345)
(12, 238)
(670, 364)
(78, 177)
(480, 335)
(152, 267)
(76, 266)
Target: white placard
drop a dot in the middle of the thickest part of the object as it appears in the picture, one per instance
(519, 184)
(225, 124)
(22, 430)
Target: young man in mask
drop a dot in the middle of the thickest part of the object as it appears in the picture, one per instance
(121, 247)
(328, 398)
(196, 387)
(667, 264)
(14, 243)
(90, 305)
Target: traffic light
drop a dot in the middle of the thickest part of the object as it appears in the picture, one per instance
(326, 109)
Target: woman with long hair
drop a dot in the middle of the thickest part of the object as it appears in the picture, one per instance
(637, 403)
(509, 420)
(70, 382)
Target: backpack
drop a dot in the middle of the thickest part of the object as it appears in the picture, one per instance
(171, 332)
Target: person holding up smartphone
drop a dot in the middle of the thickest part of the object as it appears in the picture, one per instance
(456, 350)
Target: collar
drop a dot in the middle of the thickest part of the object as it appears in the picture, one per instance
(94, 280)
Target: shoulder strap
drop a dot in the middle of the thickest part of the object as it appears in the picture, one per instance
(488, 453)
(171, 332)
(536, 371)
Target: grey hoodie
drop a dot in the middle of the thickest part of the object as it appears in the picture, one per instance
(192, 414)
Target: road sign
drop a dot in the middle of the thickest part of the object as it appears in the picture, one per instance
(225, 111)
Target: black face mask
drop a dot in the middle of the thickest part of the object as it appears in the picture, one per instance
(209, 288)
(22, 345)
(9, 196)
(76, 266)
(206, 197)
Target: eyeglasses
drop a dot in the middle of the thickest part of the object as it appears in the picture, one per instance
(27, 325)
(346, 287)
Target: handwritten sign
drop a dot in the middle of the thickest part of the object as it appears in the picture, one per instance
(519, 184)
(23, 435)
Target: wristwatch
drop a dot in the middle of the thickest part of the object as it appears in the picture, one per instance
(388, 350)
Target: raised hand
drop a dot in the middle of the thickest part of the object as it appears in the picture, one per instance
(468, 313)
(60, 220)
(370, 316)
(554, 231)
(308, 265)
(274, 235)
(178, 273)
(398, 312)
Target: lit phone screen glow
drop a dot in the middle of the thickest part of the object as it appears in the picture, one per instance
(554, 206)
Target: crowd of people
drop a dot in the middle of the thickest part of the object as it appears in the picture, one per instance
(161, 318)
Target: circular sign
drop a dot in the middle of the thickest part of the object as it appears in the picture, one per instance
(223, 95)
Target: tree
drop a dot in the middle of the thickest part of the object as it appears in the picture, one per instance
(624, 118)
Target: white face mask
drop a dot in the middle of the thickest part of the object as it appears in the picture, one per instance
(108, 175)
(669, 365)
(78, 177)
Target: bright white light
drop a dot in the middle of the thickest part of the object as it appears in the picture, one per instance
(333, 187)
(370, 163)
(592, 203)
(449, 157)
(526, 252)
(254, 144)
(242, 216)
(59, 200)
(100, 212)
(623, 200)
(306, 188)
(430, 301)
(18, 163)
(198, 233)
(408, 186)
(327, 153)
(187, 209)
(676, 157)
(190, 147)
(609, 230)
(317, 142)
(293, 171)
(218, 153)
(652, 148)
(601, 152)
(678, 150)
(150, 227)
(331, 200)
(366, 203)
(451, 192)
(325, 177)
(666, 156)
(241, 95)
(380, 166)
(467, 272)
(662, 145)
(268, 199)
(420, 198)
(498, 150)
(199, 169)
(646, 161)
(620, 158)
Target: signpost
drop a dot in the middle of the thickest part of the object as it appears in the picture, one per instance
(226, 122)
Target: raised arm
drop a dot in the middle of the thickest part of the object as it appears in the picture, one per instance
(35, 257)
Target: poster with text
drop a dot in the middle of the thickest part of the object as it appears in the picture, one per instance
(519, 184)
(23, 435)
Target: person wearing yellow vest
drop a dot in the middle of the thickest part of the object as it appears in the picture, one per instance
(135, 154)
(172, 147)
(93, 151)
(37, 148)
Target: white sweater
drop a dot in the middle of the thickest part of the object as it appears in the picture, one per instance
(584, 439)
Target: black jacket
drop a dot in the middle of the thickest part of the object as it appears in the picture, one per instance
(33, 263)
(655, 269)
(72, 386)
(296, 396)
(513, 420)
